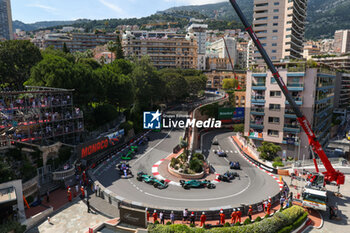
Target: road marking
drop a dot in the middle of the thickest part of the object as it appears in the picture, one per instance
(152, 148)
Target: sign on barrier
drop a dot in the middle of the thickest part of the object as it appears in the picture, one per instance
(134, 217)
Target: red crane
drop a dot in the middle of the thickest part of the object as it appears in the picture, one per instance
(330, 174)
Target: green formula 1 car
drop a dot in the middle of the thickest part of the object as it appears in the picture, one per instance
(129, 155)
(197, 184)
(161, 184)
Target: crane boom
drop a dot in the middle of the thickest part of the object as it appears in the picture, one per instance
(331, 174)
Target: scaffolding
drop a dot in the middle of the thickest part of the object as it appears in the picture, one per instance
(39, 115)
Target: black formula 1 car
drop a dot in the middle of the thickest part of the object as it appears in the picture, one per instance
(228, 176)
(235, 165)
(197, 184)
(124, 170)
(220, 153)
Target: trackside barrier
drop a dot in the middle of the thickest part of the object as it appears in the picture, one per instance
(263, 166)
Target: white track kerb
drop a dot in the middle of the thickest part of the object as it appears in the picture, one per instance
(271, 174)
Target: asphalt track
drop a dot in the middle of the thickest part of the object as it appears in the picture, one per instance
(252, 187)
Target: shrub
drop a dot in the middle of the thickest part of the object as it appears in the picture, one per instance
(247, 221)
(277, 164)
(168, 223)
(277, 159)
(286, 229)
(258, 219)
(198, 156)
(192, 225)
(12, 226)
(156, 222)
(266, 216)
(174, 161)
(196, 165)
(300, 221)
(237, 224)
(227, 224)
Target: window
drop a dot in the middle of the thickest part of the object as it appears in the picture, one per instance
(275, 10)
(275, 93)
(288, 36)
(262, 38)
(274, 44)
(272, 133)
(274, 31)
(273, 58)
(275, 17)
(275, 24)
(274, 51)
(275, 107)
(262, 4)
(275, 120)
(261, 18)
(276, 3)
(274, 37)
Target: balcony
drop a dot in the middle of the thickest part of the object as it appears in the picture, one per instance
(258, 99)
(289, 113)
(257, 111)
(291, 128)
(257, 124)
(259, 86)
(298, 100)
(290, 141)
(295, 86)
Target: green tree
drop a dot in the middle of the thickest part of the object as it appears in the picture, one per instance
(229, 83)
(65, 49)
(17, 57)
(268, 150)
(175, 84)
(149, 87)
(119, 54)
(196, 83)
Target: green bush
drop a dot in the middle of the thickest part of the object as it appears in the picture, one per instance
(300, 221)
(266, 216)
(227, 224)
(12, 226)
(127, 126)
(286, 229)
(293, 216)
(192, 225)
(174, 161)
(156, 222)
(168, 223)
(237, 224)
(258, 219)
(277, 164)
(277, 159)
(247, 221)
(196, 165)
(198, 156)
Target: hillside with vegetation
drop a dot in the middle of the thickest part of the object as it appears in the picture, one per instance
(324, 17)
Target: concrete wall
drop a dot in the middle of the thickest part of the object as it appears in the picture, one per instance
(17, 184)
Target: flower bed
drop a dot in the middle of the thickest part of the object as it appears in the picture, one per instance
(282, 222)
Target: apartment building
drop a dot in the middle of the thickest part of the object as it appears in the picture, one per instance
(342, 91)
(165, 49)
(198, 30)
(216, 77)
(224, 48)
(338, 62)
(269, 116)
(77, 41)
(311, 48)
(6, 31)
(342, 41)
(280, 26)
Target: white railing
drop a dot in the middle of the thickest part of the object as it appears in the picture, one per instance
(60, 175)
(30, 187)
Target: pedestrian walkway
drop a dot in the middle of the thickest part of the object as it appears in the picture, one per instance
(103, 207)
(72, 219)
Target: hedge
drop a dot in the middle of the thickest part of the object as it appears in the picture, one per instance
(292, 216)
(295, 225)
(12, 225)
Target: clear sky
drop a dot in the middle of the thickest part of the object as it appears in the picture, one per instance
(30, 11)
